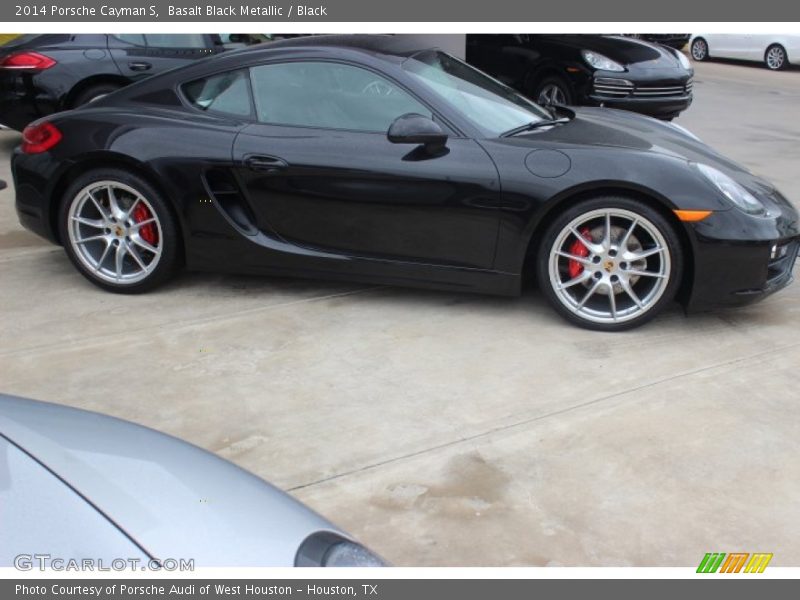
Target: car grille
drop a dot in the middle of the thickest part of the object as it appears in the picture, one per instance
(622, 88)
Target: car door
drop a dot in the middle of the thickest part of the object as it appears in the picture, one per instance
(140, 55)
(731, 45)
(320, 173)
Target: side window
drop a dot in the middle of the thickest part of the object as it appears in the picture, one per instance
(329, 95)
(176, 40)
(227, 93)
(131, 38)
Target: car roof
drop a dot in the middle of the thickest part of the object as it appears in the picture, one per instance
(375, 44)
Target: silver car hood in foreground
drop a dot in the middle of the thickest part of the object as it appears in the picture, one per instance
(173, 499)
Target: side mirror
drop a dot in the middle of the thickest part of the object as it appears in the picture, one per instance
(412, 128)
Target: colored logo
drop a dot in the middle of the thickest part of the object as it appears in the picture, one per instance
(735, 562)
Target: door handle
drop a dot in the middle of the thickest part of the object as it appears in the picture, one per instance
(269, 164)
(139, 66)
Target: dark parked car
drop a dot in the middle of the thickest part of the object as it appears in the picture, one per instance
(673, 40)
(364, 158)
(590, 70)
(43, 74)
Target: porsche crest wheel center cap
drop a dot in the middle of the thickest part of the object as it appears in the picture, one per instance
(609, 266)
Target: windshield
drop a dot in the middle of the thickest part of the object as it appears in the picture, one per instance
(491, 106)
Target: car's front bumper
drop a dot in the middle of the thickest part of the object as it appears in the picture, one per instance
(739, 259)
(662, 108)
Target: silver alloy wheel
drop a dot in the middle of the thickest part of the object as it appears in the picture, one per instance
(699, 50)
(609, 265)
(551, 94)
(775, 58)
(106, 235)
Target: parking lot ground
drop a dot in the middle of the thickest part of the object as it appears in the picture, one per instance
(452, 429)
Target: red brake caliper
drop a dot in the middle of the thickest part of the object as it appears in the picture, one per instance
(148, 232)
(578, 248)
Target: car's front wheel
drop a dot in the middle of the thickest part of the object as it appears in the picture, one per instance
(775, 57)
(552, 91)
(699, 49)
(118, 231)
(609, 263)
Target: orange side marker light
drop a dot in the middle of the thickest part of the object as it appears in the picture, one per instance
(692, 216)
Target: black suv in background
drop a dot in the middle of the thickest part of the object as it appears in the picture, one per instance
(43, 74)
(593, 70)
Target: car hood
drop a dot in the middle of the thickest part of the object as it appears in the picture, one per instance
(173, 499)
(629, 52)
(605, 127)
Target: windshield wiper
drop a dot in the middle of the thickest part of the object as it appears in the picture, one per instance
(534, 125)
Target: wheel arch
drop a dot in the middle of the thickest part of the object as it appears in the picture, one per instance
(84, 84)
(106, 160)
(647, 196)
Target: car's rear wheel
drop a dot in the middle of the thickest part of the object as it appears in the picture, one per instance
(699, 49)
(775, 57)
(609, 263)
(118, 231)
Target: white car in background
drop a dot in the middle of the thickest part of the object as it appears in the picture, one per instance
(776, 51)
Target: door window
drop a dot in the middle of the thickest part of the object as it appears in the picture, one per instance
(176, 40)
(329, 95)
(131, 38)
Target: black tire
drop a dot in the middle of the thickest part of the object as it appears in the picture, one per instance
(699, 49)
(541, 87)
(164, 265)
(667, 285)
(94, 92)
(775, 58)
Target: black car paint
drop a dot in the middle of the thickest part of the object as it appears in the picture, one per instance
(673, 40)
(82, 60)
(522, 61)
(466, 219)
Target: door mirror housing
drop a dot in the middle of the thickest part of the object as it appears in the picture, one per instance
(413, 128)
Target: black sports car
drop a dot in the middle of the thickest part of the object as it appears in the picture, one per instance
(43, 74)
(364, 158)
(590, 70)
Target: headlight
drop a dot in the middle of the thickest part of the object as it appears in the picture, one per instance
(326, 549)
(732, 190)
(600, 62)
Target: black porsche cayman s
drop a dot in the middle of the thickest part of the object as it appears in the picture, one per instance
(363, 158)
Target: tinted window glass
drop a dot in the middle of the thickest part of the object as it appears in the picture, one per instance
(329, 95)
(490, 105)
(131, 38)
(176, 40)
(225, 93)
